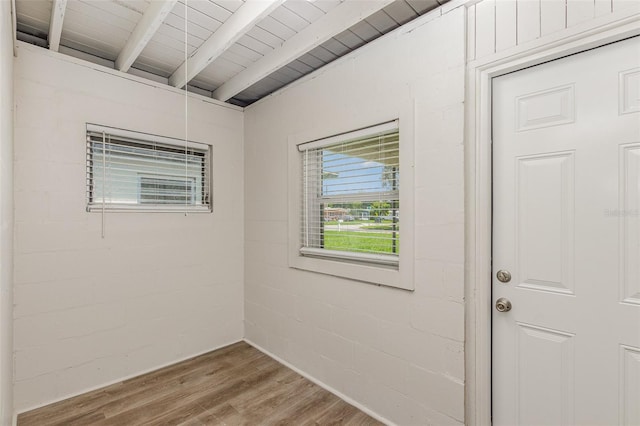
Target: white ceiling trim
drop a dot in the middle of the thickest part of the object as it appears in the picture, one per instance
(334, 22)
(151, 20)
(237, 25)
(55, 26)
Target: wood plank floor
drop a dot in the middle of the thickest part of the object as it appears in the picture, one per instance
(235, 385)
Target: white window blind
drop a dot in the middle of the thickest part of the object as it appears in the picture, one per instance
(134, 171)
(350, 198)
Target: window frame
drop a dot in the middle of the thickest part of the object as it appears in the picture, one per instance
(315, 196)
(378, 273)
(96, 205)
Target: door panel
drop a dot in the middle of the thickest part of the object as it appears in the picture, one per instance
(544, 357)
(630, 385)
(630, 91)
(544, 109)
(630, 220)
(544, 222)
(566, 225)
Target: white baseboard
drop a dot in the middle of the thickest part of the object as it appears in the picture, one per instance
(322, 384)
(131, 376)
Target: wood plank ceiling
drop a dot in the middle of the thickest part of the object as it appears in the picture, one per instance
(233, 50)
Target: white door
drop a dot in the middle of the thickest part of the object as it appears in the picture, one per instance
(566, 225)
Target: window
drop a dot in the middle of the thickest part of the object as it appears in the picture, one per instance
(351, 197)
(134, 171)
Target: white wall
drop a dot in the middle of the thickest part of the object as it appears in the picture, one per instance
(160, 287)
(6, 214)
(396, 352)
(495, 26)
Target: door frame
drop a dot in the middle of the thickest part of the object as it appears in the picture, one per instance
(478, 183)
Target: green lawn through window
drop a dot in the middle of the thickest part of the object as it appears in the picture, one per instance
(360, 241)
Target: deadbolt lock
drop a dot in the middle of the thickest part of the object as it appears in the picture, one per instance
(503, 305)
(503, 276)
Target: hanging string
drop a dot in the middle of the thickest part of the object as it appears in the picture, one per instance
(104, 177)
(187, 190)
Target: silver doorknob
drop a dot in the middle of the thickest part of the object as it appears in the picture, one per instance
(503, 276)
(503, 305)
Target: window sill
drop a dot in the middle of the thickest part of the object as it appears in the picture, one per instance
(97, 208)
(377, 274)
(353, 257)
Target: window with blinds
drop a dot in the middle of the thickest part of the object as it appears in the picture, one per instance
(134, 171)
(350, 198)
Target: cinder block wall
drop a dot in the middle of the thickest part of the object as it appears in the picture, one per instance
(6, 214)
(396, 352)
(160, 287)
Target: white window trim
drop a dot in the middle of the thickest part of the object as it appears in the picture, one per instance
(400, 276)
(148, 137)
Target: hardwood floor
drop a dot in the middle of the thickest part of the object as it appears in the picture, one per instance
(235, 385)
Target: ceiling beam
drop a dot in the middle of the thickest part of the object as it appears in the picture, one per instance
(58, 9)
(333, 23)
(237, 25)
(14, 24)
(151, 20)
